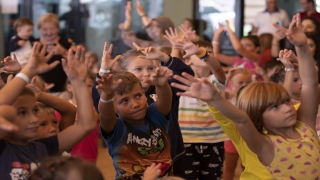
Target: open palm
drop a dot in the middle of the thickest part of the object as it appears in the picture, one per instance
(76, 67)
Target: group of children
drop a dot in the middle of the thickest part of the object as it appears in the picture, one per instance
(149, 101)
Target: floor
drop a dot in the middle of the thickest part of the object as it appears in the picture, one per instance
(104, 163)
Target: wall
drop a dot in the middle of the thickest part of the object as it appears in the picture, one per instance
(177, 10)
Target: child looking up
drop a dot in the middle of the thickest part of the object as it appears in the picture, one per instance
(138, 137)
(18, 156)
(21, 43)
(266, 128)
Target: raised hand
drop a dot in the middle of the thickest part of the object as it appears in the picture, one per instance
(294, 33)
(37, 63)
(75, 65)
(140, 9)
(151, 53)
(11, 65)
(188, 34)
(8, 116)
(278, 35)
(152, 172)
(187, 46)
(126, 25)
(220, 29)
(172, 35)
(160, 76)
(107, 84)
(196, 88)
(34, 88)
(106, 61)
(287, 57)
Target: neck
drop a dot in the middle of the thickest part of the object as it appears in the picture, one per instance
(296, 97)
(287, 132)
(141, 122)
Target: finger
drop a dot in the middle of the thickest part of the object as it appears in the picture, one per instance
(105, 47)
(180, 86)
(9, 78)
(171, 31)
(136, 45)
(293, 22)
(48, 56)
(33, 80)
(281, 28)
(182, 80)
(44, 49)
(53, 65)
(149, 49)
(298, 24)
(7, 126)
(189, 77)
(82, 59)
(15, 57)
(110, 49)
(70, 55)
(184, 94)
(175, 32)
(78, 53)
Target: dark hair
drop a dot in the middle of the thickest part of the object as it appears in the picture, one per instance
(254, 39)
(58, 168)
(21, 22)
(203, 43)
(315, 39)
(280, 74)
(315, 21)
(311, 1)
(129, 80)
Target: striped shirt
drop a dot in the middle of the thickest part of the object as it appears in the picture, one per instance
(197, 122)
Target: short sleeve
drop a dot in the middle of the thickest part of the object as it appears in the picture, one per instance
(117, 133)
(221, 87)
(237, 60)
(157, 117)
(52, 144)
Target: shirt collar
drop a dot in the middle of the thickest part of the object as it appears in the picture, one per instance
(276, 10)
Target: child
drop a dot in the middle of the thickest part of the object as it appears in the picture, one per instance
(93, 60)
(203, 138)
(21, 43)
(87, 149)
(265, 128)
(138, 137)
(237, 78)
(248, 47)
(142, 66)
(152, 173)
(65, 168)
(18, 156)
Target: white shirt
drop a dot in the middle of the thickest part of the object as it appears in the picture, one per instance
(264, 21)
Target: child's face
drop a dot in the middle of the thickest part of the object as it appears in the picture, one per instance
(280, 116)
(89, 83)
(240, 80)
(25, 31)
(142, 69)
(312, 46)
(297, 83)
(248, 44)
(26, 120)
(308, 26)
(131, 105)
(48, 125)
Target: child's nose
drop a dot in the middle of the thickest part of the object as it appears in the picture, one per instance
(52, 129)
(33, 119)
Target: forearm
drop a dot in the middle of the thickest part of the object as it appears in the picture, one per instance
(275, 48)
(107, 113)
(164, 96)
(145, 20)
(235, 41)
(307, 68)
(288, 82)
(85, 111)
(216, 69)
(66, 109)
(175, 53)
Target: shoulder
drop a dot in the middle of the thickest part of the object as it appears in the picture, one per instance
(156, 116)
(116, 134)
(51, 144)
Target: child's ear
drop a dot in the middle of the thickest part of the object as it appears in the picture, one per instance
(69, 88)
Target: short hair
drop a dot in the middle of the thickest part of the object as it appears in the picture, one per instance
(128, 57)
(43, 108)
(26, 91)
(203, 43)
(265, 41)
(311, 1)
(129, 80)
(240, 71)
(255, 98)
(314, 21)
(21, 22)
(60, 167)
(48, 17)
(315, 38)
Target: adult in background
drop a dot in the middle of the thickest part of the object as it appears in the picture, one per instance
(155, 28)
(264, 20)
(48, 26)
(309, 7)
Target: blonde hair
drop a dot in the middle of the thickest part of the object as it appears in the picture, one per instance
(43, 108)
(21, 22)
(239, 71)
(48, 17)
(256, 98)
(127, 57)
(265, 41)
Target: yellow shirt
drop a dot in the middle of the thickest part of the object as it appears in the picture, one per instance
(253, 167)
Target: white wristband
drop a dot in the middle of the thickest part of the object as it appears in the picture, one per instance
(106, 101)
(24, 77)
(104, 71)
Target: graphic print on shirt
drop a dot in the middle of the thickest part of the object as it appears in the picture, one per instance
(20, 171)
(141, 149)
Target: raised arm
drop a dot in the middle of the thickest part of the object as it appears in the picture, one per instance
(172, 36)
(239, 47)
(275, 46)
(76, 70)
(202, 89)
(308, 109)
(284, 56)
(36, 65)
(7, 117)
(216, 47)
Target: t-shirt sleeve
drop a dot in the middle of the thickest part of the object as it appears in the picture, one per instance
(226, 125)
(52, 144)
(2, 146)
(237, 60)
(221, 87)
(157, 117)
(116, 134)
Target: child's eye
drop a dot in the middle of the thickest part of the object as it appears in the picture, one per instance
(138, 69)
(275, 106)
(295, 80)
(43, 124)
(35, 111)
(124, 101)
(55, 122)
(138, 96)
(151, 68)
(21, 113)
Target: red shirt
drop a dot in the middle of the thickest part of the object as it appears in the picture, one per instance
(315, 14)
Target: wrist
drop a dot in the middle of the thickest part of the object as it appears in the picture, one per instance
(164, 57)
